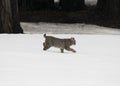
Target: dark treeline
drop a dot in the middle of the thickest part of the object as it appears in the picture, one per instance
(106, 12)
(50, 4)
(9, 17)
(109, 7)
(29, 5)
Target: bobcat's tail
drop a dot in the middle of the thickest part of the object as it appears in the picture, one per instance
(44, 35)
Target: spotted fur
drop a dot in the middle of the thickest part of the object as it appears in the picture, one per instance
(51, 41)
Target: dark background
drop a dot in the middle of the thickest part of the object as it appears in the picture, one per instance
(105, 12)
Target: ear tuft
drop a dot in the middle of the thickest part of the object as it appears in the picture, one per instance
(72, 38)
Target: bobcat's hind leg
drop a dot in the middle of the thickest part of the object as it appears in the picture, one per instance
(45, 46)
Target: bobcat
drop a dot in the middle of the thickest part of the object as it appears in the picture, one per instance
(59, 43)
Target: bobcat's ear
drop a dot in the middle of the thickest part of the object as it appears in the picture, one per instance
(72, 38)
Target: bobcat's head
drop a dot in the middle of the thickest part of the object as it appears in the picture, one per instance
(73, 41)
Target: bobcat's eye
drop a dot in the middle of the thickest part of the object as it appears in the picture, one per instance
(74, 42)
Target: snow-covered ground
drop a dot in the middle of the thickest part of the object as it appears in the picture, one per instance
(24, 63)
(91, 2)
(58, 28)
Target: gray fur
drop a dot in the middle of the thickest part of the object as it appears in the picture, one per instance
(51, 41)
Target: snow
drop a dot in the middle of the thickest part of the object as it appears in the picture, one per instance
(24, 63)
(96, 62)
(91, 2)
(58, 28)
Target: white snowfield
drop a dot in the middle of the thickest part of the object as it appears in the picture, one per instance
(24, 63)
(96, 62)
(58, 28)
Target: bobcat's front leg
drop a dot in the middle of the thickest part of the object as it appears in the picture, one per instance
(70, 49)
(62, 50)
